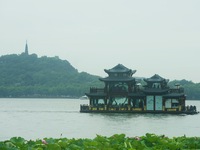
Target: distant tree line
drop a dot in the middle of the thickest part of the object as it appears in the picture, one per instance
(29, 76)
(192, 90)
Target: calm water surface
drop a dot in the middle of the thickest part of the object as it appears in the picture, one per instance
(39, 118)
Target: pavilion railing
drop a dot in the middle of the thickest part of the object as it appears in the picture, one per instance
(97, 90)
(176, 90)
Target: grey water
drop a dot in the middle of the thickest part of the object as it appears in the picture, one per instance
(59, 118)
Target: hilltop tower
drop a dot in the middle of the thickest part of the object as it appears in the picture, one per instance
(26, 48)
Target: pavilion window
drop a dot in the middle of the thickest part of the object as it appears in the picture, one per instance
(156, 85)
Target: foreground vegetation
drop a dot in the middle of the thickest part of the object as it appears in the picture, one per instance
(32, 76)
(115, 142)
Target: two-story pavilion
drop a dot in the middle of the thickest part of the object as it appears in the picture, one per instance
(122, 93)
(160, 97)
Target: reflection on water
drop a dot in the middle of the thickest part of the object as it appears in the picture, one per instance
(39, 118)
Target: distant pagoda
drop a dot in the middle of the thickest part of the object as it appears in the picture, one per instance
(26, 49)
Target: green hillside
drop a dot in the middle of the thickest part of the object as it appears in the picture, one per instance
(192, 89)
(29, 76)
(32, 76)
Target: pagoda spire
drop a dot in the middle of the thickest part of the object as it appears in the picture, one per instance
(26, 48)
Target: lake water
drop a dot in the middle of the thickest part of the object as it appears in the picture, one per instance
(40, 118)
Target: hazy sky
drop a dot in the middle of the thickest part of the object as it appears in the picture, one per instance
(151, 36)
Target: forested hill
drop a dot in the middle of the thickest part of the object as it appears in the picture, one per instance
(192, 89)
(29, 76)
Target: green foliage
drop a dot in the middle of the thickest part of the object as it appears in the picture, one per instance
(30, 76)
(115, 142)
(192, 90)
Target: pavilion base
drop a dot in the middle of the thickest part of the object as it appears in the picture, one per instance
(142, 112)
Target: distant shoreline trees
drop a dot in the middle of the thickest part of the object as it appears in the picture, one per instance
(30, 76)
(50, 77)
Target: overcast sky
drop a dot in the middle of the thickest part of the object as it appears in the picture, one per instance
(152, 36)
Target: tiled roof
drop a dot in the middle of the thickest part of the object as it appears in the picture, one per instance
(120, 79)
(156, 78)
(119, 69)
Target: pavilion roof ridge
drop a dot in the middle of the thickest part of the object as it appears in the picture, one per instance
(156, 78)
(119, 68)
